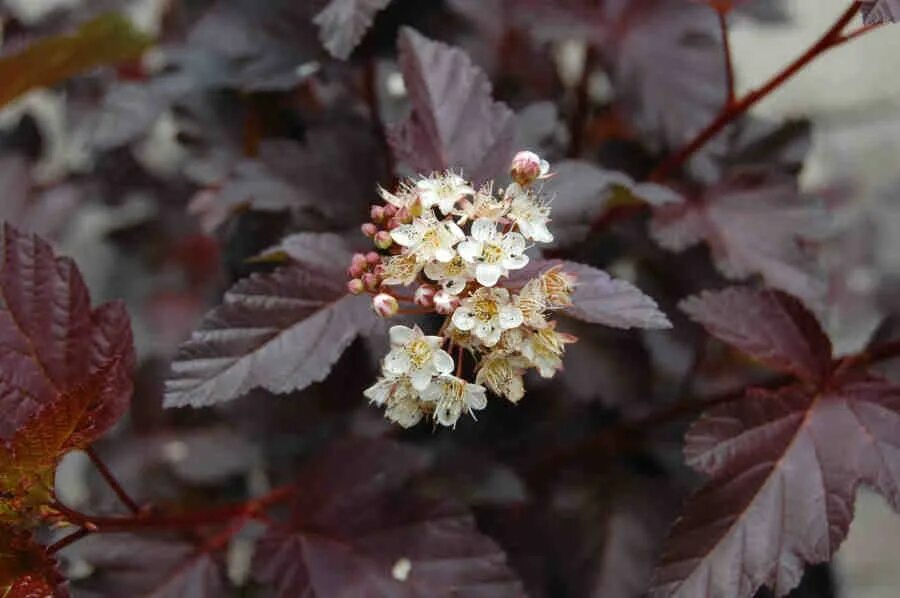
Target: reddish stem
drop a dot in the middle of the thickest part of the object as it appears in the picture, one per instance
(721, 13)
(733, 110)
(191, 520)
(70, 539)
(111, 481)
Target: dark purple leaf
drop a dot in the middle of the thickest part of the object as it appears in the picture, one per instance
(128, 565)
(784, 468)
(357, 530)
(280, 331)
(880, 11)
(343, 23)
(770, 326)
(752, 225)
(454, 123)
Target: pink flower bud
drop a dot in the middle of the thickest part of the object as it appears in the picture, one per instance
(424, 296)
(383, 239)
(527, 167)
(385, 305)
(372, 258)
(358, 260)
(393, 223)
(355, 271)
(371, 281)
(355, 286)
(376, 213)
(369, 229)
(445, 303)
(390, 211)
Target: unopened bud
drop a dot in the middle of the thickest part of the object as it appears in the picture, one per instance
(390, 211)
(376, 213)
(371, 281)
(445, 303)
(356, 287)
(385, 305)
(358, 260)
(527, 167)
(424, 296)
(355, 271)
(383, 239)
(372, 258)
(369, 229)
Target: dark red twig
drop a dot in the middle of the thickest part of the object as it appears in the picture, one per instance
(70, 539)
(729, 61)
(163, 521)
(111, 481)
(733, 110)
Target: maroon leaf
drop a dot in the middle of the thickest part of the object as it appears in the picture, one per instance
(880, 11)
(55, 350)
(26, 570)
(126, 565)
(343, 23)
(770, 326)
(280, 331)
(668, 67)
(454, 123)
(327, 250)
(357, 530)
(784, 469)
(601, 299)
(753, 225)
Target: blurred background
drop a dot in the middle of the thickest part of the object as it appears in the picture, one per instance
(120, 215)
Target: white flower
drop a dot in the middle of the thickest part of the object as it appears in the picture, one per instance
(401, 269)
(443, 191)
(389, 386)
(402, 199)
(429, 239)
(503, 375)
(530, 214)
(451, 396)
(453, 275)
(487, 313)
(402, 400)
(418, 356)
(493, 252)
(544, 349)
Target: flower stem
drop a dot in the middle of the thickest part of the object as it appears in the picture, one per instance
(733, 110)
(721, 13)
(111, 481)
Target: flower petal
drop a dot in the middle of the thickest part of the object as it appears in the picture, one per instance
(483, 229)
(463, 318)
(475, 396)
(420, 378)
(444, 254)
(470, 250)
(396, 362)
(513, 243)
(442, 361)
(510, 317)
(379, 392)
(454, 231)
(515, 262)
(447, 413)
(406, 235)
(400, 335)
(488, 274)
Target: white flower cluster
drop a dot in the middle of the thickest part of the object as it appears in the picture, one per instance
(458, 245)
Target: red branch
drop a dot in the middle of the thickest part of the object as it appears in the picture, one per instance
(722, 14)
(733, 110)
(111, 481)
(163, 521)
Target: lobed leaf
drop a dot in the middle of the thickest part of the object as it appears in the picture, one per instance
(280, 331)
(26, 570)
(107, 39)
(784, 469)
(770, 326)
(875, 12)
(360, 531)
(127, 565)
(342, 24)
(752, 225)
(65, 370)
(454, 123)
